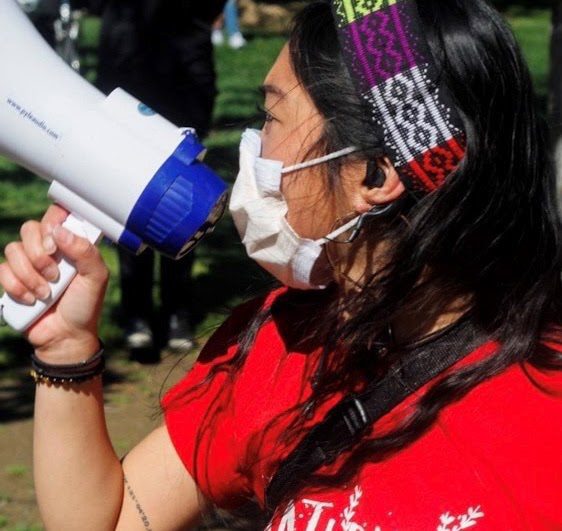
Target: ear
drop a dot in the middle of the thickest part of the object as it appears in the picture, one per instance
(389, 190)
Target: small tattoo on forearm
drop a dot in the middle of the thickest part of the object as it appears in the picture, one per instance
(142, 514)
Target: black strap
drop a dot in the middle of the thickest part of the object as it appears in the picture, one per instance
(351, 418)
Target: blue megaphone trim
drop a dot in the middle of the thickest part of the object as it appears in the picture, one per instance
(130, 241)
(176, 203)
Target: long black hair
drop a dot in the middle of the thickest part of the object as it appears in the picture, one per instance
(490, 234)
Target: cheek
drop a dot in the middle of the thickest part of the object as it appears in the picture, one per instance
(268, 140)
(280, 144)
(310, 203)
(290, 143)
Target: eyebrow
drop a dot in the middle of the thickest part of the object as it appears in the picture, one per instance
(271, 89)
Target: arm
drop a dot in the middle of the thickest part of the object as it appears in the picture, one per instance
(158, 489)
(83, 486)
(79, 479)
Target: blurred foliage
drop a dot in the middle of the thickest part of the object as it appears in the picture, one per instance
(533, 33)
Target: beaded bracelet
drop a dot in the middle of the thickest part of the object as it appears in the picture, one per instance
(80, 372)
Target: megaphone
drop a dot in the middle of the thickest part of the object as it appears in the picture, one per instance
(122, 170)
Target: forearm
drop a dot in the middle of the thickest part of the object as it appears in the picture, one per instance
(79, 480)
(78, 477)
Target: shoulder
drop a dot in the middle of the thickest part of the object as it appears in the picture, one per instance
(507, 431)
(283, 321)
(238, 323)
(220, 359)
(524, 385)
(528, 391)
(510, 418)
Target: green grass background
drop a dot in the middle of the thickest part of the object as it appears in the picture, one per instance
(223, 274)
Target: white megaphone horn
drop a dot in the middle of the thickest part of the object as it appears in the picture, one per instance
(118, 167)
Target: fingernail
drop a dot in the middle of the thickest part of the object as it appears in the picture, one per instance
(51, 273)
(49, 244)
(43, 292)
(28, 298)
(63, 235)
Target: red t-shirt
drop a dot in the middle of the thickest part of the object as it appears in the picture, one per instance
(491, 461)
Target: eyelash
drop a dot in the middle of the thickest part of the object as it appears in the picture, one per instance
(266, 116)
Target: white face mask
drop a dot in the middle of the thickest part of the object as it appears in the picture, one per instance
(259, 213)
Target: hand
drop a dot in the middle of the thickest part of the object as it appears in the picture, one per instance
(67, 332)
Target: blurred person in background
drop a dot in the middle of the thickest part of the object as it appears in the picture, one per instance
(161, 53)
(228, 22)
(43, 14)
(58, 22)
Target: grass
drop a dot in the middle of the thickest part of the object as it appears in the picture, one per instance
(223, 274)
(16, 471)
(533, 32)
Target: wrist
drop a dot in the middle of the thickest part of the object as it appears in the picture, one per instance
(68, 373)
(69, 350)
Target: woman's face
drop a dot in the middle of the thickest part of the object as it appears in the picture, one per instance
(292, 126)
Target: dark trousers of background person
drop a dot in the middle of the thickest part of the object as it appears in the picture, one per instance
(43, 18)
(137, 272)
(161, 53)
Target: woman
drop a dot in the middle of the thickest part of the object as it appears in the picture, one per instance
(438, 328)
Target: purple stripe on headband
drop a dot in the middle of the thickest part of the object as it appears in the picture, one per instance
(384, 44)
(405, 43)
(362, 55)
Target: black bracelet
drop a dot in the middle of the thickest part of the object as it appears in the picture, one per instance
(80, 372)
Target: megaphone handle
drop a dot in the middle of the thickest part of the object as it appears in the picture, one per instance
(21, 316)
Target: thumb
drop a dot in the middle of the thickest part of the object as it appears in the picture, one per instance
(83, 253)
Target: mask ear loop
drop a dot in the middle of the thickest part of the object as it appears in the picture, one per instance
(319, 160)
(359, 222)
(357, 225)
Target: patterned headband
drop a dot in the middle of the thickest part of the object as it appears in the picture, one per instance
(392, 68)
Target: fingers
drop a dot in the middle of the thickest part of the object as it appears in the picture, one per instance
(85, 255)
(14, 287)
(24, 272)
(54, 216)
(38, 251)
(28, 267)
(31, 265)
